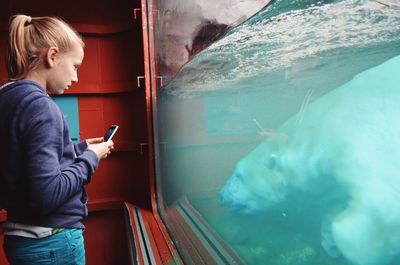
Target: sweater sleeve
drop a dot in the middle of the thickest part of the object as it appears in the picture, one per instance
(48, 185)
(80, 147)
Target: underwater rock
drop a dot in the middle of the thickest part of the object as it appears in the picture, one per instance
(252, 254)
(301, 256)
(349, 136)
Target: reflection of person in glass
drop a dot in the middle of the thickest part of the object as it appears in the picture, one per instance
(188, 26)
(179, 49)
(207, 32)
(42, 173)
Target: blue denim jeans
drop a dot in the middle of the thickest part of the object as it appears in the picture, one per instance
(63, 248)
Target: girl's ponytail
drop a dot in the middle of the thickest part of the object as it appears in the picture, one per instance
(17, 50)
(29, 36)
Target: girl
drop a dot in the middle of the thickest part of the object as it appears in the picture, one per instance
(42, 173)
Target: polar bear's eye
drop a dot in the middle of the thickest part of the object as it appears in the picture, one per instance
(238, 176)
(272, 161)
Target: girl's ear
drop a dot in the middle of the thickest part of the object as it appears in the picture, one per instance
(51, 56)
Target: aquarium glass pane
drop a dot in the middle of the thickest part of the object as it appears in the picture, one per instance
(278, 130)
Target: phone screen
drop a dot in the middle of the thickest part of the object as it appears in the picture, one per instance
(110, 132)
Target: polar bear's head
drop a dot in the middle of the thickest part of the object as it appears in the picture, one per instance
(257, 182)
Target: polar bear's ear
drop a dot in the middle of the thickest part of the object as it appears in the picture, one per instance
(273, 161)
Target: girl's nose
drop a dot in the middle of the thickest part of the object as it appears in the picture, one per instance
(75, 78)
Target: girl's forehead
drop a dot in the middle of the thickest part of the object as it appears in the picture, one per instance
(76, 52)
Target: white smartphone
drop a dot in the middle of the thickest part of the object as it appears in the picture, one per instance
(110, 132)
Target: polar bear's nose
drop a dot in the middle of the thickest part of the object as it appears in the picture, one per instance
(234, 194)
(230, 201)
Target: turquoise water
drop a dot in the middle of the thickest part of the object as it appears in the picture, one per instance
(239, 93)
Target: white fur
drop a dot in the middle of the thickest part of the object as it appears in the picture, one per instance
(352, 136)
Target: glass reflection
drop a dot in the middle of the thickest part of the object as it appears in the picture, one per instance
(188, 26)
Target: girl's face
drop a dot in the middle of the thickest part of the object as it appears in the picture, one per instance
(65, 70)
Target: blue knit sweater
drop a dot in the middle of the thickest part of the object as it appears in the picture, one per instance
(42, 173)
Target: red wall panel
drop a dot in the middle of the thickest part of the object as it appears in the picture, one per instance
(105, 244)
(112, 63)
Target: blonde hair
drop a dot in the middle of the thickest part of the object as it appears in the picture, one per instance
(29, 36)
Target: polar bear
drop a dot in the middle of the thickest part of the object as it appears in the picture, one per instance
(350, 135)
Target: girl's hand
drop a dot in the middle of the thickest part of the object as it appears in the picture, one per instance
(101, 149)
(94, 140)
